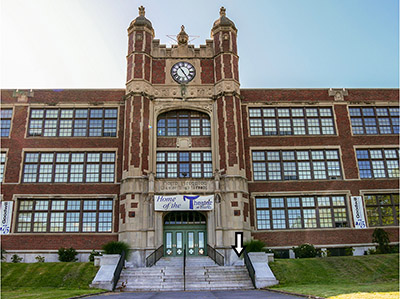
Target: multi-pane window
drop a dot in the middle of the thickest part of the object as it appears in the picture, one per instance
(291, 121)
(282, 165)
(184, 165)
(374, 120)
(66, 167)
(2, 164)
(68, 122)
(298, 212)
(64, 215)
(5, 115)
(382, 209)
(183, 123)
(378, 163)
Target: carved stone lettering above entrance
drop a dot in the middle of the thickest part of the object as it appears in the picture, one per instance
(174, 186)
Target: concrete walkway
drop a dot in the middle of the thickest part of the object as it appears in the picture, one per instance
(251, 294)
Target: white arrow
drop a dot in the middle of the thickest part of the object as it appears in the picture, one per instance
(238, 247)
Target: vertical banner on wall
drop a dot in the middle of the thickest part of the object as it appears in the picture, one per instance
(5, 217)
(358, 212)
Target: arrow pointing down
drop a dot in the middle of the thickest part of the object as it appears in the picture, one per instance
(238, 247)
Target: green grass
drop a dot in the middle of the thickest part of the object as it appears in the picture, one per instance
(333, 276)
(46, 280)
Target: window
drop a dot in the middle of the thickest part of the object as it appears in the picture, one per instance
(2, 164)
(382, 209)
(93, 122)
(5, 115)
(64, 215)
(184, 218)
(378, 163)
(184, 165)
(66, 167)
(291, 121)
(374, 120)
(283, 165)
(183, 123)
(294, 212)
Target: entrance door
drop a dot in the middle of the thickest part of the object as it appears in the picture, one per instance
(182, 230)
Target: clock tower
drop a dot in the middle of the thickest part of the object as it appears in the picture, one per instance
(183, 142)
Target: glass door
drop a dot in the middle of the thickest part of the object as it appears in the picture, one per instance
(193, 237)
(191, 250)
(202, 243)
(179, 243)
(168, 248)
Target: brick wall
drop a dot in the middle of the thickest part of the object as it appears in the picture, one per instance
(51, 241)
(18, 142)
(344, 140)
(321, 237)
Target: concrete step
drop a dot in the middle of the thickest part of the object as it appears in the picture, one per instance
(150, 289)
(153, 285)
(201, 274)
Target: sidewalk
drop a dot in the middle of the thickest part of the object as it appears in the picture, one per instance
(250, 294)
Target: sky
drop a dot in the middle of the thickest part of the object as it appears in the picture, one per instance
(281, 43)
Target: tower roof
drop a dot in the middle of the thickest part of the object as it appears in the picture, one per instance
(223, 20)
(141, 20)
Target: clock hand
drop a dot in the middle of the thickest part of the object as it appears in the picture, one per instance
(184, 73)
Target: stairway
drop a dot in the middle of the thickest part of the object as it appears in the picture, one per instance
(201, 274)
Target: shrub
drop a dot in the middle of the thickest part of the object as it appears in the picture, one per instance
(381, 237)
(348, 251)
(254, 246)
(305, 251)
(93, 254)
(67, 254)
(39, 259)
(340, 251)
(16, 259)
(281, 253)
(116, 247)
(394, 248)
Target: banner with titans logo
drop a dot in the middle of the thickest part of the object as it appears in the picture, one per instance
(183, 202)
(358, 212)
(5, 216)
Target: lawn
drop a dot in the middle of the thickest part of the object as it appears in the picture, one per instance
(46, 280)
(355, 277)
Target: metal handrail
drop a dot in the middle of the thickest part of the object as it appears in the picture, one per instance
(117, 272)
(215, 255)
(184, 267)
(153, 258)
(249, 267)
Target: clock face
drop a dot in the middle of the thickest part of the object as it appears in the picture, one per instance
(183, 72)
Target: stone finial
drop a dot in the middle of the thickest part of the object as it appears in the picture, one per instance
(23, 95)
(222, 12)
(338, 94)
(223, 21)
(141, 11)
(182, 37)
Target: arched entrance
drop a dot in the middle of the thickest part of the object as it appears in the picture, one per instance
(185, 230)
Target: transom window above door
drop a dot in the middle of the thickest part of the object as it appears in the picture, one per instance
(183, 123)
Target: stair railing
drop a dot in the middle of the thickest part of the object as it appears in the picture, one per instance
(184, 267)
(118, 269)
(153, 258)
(215, 255)
(249, 267)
